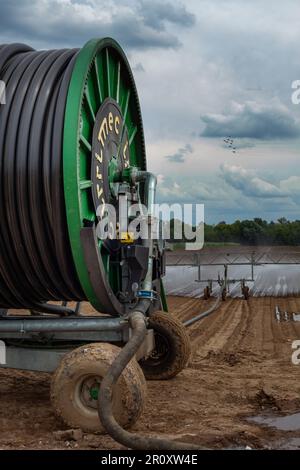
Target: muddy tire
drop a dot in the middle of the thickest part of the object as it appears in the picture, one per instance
(173, 348)
(75, 388)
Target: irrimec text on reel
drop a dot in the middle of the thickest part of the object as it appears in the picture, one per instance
(71, 139)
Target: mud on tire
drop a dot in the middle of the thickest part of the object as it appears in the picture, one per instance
(76, 381)
(172, 351)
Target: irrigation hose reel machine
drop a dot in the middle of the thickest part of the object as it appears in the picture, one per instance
(71, 141)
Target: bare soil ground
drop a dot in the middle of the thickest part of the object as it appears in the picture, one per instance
(241, 367)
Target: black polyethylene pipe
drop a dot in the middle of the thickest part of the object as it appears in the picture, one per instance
(36, 264)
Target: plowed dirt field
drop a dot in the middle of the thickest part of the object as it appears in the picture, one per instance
(241, 366)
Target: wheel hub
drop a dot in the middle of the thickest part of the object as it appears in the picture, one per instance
(161, 348)
(89, 392)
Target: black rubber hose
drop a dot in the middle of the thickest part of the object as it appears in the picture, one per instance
(134, 441)
(205, 314)
(36, 264)
(63, 310)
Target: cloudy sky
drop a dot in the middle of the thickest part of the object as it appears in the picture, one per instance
(205, 70)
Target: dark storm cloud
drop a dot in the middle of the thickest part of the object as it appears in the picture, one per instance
(155, 14)
(67, 22)
(180, 155)
(253, 121)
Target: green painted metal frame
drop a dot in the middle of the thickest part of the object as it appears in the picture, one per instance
(101, 70)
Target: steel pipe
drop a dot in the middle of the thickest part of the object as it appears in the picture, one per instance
(33, 325)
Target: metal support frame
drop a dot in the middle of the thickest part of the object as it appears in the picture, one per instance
(39, 343)
(22, 325)
(251, 259)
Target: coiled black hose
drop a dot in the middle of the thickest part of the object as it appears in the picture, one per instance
(36, 264)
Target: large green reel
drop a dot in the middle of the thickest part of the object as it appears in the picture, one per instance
(71, 141)
(101, 71)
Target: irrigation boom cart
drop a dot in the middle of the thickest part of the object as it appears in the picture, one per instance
(224, 261)
(71, 142)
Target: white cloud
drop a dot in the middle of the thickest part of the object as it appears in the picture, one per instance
(189, 190)
(249, 183)
(291, 185)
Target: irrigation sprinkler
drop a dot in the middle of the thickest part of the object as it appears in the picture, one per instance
(224, 261)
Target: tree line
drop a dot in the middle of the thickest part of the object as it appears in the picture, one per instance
(255, 232)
